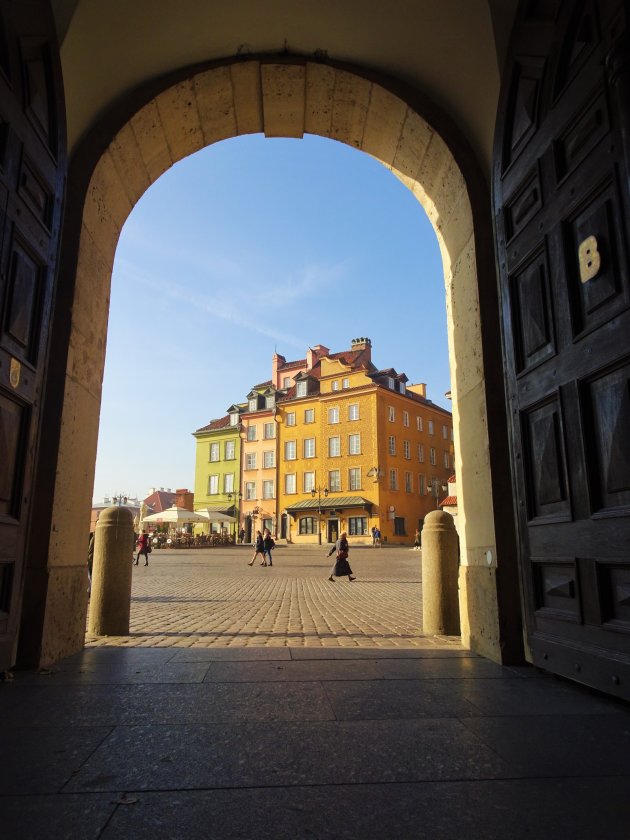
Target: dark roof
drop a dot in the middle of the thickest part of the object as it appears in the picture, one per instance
(221, 423)
(331, 503)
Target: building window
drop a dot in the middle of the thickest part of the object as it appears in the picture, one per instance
(307, 525)
(408, 484)
(354, 444)
(286, 382)
(421, 485)
(309, 415)
(399, 526)
(251, 433)
(301, 389)
(446, 460)
(431, 427)
(402, 387)
(345, 382)
(421, 453)
(405, 418)
(253, 404)
(214, 451)
(391, 413)
(233, 419)
(334, 481)
(230, 450)
(250, 490)
(269, 460)
(354, 478)
(432, 455)
(267, 489)
(213, 485)
(250, 461)
(406, 449)
(393, 479)
(290, 483)
(391, 445)
(309, 447)
(228, 483)
(357, 526)
(444, 432)
(419, 425)
(334, 447)
(270, 401)
(391, 383)
(353, 411)
(309, 481)
(333, 415)
(269, 431)
(290, 418)
(335, 385)
(290, 450)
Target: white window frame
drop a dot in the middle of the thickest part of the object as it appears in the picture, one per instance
(213, 485)
(391, 383)
(345, 382)
(353, 411)
(308, 480)
(290, 450)
(269, 459)
(309, 415)
(250, 490)
(354, 478)
(228, 483)
(431, 428)
(333, 414)
(334, 385)
(334, 447)
(391, 413)
(309, 447)
(252, 404)
(290, 483)
(405, 418)
(234, 419)
(408, 483)
(215, 453)
(421, 453)
(268, 488)
(286, 382)
(269, 431)
(334, 481)
(393, 479)
(270, 401)
(406, 450)
(432, 458)
(354, 444)
(290, 418)
(252, 432)
(419, 424)
(301, 389)
(230, 450)
(250, 460)
(391, 444)
(444, 432)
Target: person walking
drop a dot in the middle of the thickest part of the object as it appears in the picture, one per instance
(241, 535)
(417, 541)
(268, 544)
(259, 548)
(143, 548)
(342, 566)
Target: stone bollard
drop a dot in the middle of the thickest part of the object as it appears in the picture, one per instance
(110, 602)
(440, 569)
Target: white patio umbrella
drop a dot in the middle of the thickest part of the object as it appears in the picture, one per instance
(215, 516)
(176, 516)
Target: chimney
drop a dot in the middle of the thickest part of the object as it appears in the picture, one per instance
(277, 362)
(420, 389)
(363, 344)
(313, 354)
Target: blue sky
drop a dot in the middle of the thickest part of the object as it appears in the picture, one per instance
(250, 246)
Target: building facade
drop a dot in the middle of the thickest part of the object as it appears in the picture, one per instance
(218, 465)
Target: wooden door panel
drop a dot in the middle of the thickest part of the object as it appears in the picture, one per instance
(561, 207)
(32, 178)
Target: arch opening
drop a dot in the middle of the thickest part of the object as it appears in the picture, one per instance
(282, 99)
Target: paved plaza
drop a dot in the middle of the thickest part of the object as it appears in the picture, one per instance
(211, 597)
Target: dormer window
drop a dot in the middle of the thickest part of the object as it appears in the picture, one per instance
(391, 383)
(253, 404)
(300, 389)
(270, 401)
(403, 389)
(233, 419)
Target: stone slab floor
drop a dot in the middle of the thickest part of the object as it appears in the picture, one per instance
(188, 733)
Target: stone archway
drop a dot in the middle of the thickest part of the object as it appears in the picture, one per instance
(287, 98)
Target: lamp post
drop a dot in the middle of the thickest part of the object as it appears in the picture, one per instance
(319, 491)
(120, 499)
(237, 503)
(434, 489)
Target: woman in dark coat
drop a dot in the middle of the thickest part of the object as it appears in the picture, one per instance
(341, 567)
(259, 548)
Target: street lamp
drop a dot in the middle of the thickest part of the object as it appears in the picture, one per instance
(120, 500)
(434, 489)
(319, 491)
(237, 503)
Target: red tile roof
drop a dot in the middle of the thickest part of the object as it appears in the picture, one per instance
(449, 501)
(221, 423)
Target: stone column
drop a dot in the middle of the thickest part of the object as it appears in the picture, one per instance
(440, 568)
(111, 576)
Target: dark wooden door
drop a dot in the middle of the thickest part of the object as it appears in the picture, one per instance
(562, 213)
(32, 174)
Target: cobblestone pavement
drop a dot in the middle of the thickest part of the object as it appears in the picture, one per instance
(212, 598)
